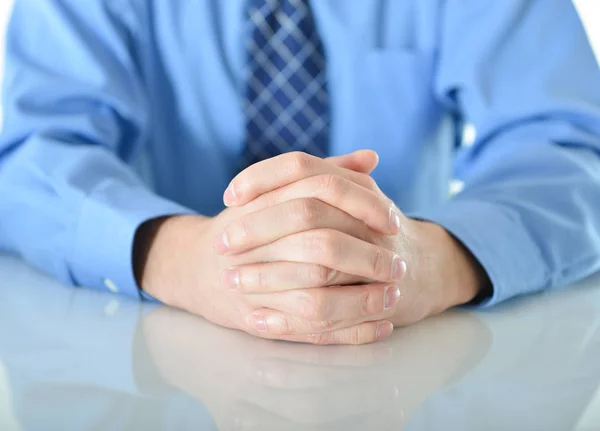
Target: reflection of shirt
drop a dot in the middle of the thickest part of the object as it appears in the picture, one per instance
(97, 90)
(72, 362)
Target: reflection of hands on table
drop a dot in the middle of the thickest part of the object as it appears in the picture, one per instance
(249, 383)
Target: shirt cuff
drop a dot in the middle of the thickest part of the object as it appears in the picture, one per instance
(109, 219)
(494, 234)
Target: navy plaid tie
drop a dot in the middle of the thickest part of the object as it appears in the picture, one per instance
(286, 102)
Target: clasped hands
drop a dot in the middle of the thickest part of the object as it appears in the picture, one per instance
(308, 250)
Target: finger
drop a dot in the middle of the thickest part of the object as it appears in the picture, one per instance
(364, 161)
(365, 333)
(335, 250)
(282, 170)
(334, 357)
(265, 226)
(283, 276)
(322, 309)
(374, 209)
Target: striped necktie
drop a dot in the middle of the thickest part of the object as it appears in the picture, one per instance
(286, 103)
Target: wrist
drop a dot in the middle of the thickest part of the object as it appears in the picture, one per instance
(144, 239)
(154, 242)
(470, 280)
(450, 266)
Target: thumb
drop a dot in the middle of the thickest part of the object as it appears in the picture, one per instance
(363, 161)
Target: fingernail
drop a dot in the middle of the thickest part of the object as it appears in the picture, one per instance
(259, 323)
(384, 330)
(222, 243)
(229, 196)
(399, 268)
(391, 297)
(394, 220)
(231, 279)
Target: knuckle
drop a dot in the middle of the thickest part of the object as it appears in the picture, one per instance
(370, 183)
(286, 327)
(239, 231)
(331, 184)
(377, 263)
(325, 181)
(300, 163)
(319, 275)
(373, 302)
(367, 300)
(308, 211)
(261, 280)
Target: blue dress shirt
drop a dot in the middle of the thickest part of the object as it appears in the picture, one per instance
(119, 111)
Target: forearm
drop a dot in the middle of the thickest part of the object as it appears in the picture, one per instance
(531, 228)
(531, 198)
(71, 203)
(155, 241)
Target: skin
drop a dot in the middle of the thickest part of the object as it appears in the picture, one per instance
(308, 250)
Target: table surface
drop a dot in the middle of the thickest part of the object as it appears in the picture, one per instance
(76, 359)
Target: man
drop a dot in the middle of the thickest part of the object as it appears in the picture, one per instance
(126, 120)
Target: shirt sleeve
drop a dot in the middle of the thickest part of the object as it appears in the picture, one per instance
(522, 72)
(74, 119)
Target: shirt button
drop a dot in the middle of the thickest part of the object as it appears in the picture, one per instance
(456, 186)
(469, 135)
(111, 286)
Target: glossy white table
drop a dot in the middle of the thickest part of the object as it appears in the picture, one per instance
(75, 359)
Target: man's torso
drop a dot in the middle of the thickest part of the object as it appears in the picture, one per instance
(381, 66)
